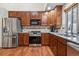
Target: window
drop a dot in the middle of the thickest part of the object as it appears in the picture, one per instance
(69, 21)
(75, 18)
(72, 21)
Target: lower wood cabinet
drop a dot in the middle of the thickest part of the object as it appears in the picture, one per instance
(53, 44)
(58, 45)
(62, 49)
(23, 39)
(45, 39)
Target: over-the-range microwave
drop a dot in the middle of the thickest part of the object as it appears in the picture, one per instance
(35, 22)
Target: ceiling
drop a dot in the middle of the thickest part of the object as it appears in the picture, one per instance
(27, 6)
(52, 5)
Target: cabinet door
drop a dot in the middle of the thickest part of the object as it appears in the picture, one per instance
(45, 39)
(39, 15)
(49, 18)
(26, 39)
(54, 47)
(25, 18)
(54, 44)
(62, 49)
(28, 18)
(12, 14)
(58, 16)
(52, 17)
(20, 39)
(44, 18)
(42, 39)
(36, 15)
(50, 41)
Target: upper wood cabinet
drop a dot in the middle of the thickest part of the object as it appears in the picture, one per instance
(36, 15)
(51, 18)
(48, 18)
(44, 18)
(58, 16)
(12, 14)
(25, 16)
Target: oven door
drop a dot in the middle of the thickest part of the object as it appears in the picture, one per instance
(34, 41)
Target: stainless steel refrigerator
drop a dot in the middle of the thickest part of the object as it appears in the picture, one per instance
(10, 29)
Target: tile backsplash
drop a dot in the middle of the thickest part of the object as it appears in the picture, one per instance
(36, 28)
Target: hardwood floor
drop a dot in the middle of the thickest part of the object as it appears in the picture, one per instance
(27, 51)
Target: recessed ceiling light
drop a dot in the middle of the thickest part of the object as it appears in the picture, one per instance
(49, 8)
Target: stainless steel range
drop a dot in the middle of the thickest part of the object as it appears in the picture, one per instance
(34, 38)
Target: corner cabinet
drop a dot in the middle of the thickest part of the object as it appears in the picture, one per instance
(24, 16)
(58, 45)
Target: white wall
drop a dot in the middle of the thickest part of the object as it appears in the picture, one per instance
(3, 13)
(41, 30)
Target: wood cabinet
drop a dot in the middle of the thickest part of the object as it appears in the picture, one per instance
(45, 39)
(53, 44)
(20, 39)
(24, 16)
(36, 15)
(53, 17)
(23, 39)
(12, 14)
(62, 49)
(48, 18)
(58, 16)
(44, 18)
(58, 45)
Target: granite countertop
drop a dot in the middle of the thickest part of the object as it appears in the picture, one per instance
(71, 39)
